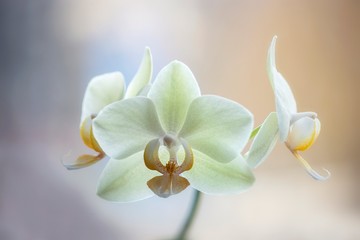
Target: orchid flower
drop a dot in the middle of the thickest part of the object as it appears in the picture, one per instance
(100, 92)
(173, 138)
(298, 130)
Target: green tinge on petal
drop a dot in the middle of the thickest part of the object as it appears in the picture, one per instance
(125, 127)
(264, 142)
(217, 127)
(143, 76)
(212, 177)
(125, 180)
(172, 92)
(284, 98)
(254, 132)
(101, 91)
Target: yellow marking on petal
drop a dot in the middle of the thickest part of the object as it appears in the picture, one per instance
(309, 169)
(306, 144)
(151, 156)
(94, 143)
(303, 134)
(86, 133)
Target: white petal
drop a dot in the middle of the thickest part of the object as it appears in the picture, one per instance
(172, 92)
(264, 142)
(143, 76)
(284, 98)
(125, 127)
(126, 180)
(218, 127)
(101, 91)
(212, 177)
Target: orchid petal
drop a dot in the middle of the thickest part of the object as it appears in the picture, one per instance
(83, 161)
(142, 77)
(172, 92)
(284, 98)
(264, 142)
(125, 180)
(217, 127)
(101, 91)
(309, 169)
(125, 127)
(212, 177)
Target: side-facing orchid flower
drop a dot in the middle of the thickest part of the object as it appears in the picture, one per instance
(173, 138)
(298, 130)
(100, 92)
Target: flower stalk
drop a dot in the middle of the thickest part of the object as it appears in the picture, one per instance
(190, 218)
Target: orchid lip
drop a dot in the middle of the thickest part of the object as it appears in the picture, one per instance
(170, 182)
(84, 161)
(309, 169)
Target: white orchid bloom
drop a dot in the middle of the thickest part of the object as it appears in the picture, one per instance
(298, 130)
(100, 92)
(173, 138)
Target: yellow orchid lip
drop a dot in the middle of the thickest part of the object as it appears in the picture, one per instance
(170, 182)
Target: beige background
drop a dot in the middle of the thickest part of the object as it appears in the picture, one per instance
(50, 50)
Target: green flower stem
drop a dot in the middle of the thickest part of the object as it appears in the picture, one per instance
(187, 224)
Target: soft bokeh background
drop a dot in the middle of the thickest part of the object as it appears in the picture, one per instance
(50, 49)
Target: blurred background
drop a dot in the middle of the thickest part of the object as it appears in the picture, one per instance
(51, 49)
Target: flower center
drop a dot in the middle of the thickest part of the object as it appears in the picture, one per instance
(170, 182)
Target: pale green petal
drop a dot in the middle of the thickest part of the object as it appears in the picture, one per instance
(284, 98)
(101, 91)
(142, 77)
(172, 92)
(218, 127)
(125, 127)
(126, 180)
(212, 177)
(264, 142)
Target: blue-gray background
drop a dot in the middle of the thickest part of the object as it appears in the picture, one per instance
(49, 50)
